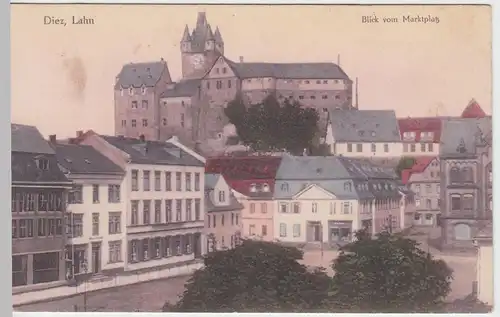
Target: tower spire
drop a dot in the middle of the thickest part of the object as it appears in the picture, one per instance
(210, 34)
(201, 20)
(218, 36)
(186, 37)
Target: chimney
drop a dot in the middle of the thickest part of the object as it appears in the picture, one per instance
(79, 133)
(142, 138)
(161, 59)
(241, 59)
(52, 139)
(357, 96)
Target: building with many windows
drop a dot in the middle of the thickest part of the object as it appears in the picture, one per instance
(252, 180)
(164, 192)
(466, 180)
(39, 191)
(369, 134)
(96, 210)
(424, 179)
(222, 214)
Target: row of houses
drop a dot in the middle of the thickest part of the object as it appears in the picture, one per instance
(380, 135)
(314, 200)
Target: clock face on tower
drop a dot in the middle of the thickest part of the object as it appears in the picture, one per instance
(197, 61)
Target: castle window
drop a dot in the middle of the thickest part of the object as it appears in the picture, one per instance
(164, 121)
(144, 122)
(325, 97)
(131, 91)
(134, 104)
(134, 123)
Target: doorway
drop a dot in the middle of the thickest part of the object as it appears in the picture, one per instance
(96, 258)
(197, 245)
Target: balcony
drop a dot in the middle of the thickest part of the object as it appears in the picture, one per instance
(184, 225)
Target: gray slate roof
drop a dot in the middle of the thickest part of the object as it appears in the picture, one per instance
(361, 169)
(364, 125)
(84, 159)
(25, 169)
(211, 180)
(152, 152)
(287, 189)
(458, 136)
(139, 74)
(289, 70)
(311, 168)
(28, 139)
(185, 88)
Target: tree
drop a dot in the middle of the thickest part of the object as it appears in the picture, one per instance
(255, 276)
(404, 163)
(273, 126)
(388, 274)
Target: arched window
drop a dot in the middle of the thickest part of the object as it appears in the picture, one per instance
(454, 175)
(462, 232)
(467, 174)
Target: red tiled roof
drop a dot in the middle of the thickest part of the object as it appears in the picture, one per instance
(473, 110)
(244, 187)
(244, 168)
(418, 125)
(419, 166)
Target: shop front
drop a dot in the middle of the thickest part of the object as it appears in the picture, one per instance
(339, 232)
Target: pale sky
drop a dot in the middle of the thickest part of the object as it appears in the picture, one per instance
(63, 76)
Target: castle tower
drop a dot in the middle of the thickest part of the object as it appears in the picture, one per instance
(199, 46)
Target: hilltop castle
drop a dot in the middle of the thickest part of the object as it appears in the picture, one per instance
(149, 103)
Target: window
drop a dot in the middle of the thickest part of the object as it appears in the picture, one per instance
(164, 121)
(314, 208)
(430, 147)
(284, 187)
(214, 218)
(252, 208)
(42, 202)
(263, 208)
(251, 230)
(467, 175)
(359, 147)
(347, 208)
(45, 267)
(374, 147)
(182, 120)
(75, 195)
(386, 148)
(412, 148)
(438, 203)
(222, 220)
(208, 85)
(417, 216)
(134, 251)
(157, 181)
(324, 97)
(135, 212)
(264, 230)
(224, 70)
(422, 147)
(14, 228)
(462, 232)
(417, 202)
(29, 200)
(157, 248)
(114, 223)
(428, 217)
(178, 210)
(115, 251)
(144, 104)
(146, 210)
(301, 97)
(197, 182)
(188, 182)
(349, 147)
(405, 147)
(428, 188)
(145, 249)
(157, 211)
(135, 180)
(189, 211)
(145, 181)
(428, 203)
(468, 202)
(95, 194)
(95, 224)
(283, 207)
(19, 270)
(236, 218)
(168, 210)
(333, 207)
(208, 221)
(296, 230)
(282, 229)
(296, 208)
(167, 250)
(222, 196)
(77, 225)
(197, 205)
(313, 97)
(168, 181)
(144, 122)
(178, 181)
(456, 203)
(347, 186)
(134, 104)
(114, 193)
(134, 123)
(417, 188)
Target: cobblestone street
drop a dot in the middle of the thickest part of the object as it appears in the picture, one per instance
(146, 297)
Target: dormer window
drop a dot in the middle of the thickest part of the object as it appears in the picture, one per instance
(265, 188)
(347, 187)
(143, 90)
(284, 187)
(222, 196)
(253, 188)
(42, 163)
(131, 91)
